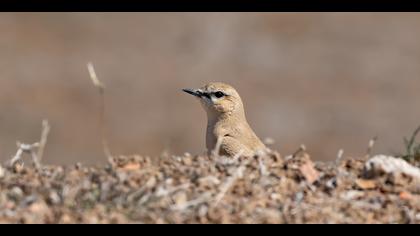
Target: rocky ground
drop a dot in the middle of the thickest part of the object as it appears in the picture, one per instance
(200, 189)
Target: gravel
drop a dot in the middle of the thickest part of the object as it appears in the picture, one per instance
(201, 189)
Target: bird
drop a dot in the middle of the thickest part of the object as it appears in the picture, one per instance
(227, 127)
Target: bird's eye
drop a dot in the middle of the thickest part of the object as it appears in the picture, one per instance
(219, 94)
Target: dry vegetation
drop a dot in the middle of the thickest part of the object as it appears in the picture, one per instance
(200, 189)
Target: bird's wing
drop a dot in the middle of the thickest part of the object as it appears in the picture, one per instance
(231, 147)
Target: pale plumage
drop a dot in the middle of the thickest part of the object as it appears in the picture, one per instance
(226, 120)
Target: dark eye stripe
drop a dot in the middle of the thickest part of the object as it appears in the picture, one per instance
(205, 95)
(219, 94)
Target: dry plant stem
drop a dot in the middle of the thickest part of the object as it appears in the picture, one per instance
(370, 147)
(44, 138)
(410, 143)
(30, 148)
(97, 83)
(26, 148)
(17, 156)
(339, 156)
(35, 160)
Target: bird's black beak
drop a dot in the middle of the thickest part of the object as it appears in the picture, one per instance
(194, 92)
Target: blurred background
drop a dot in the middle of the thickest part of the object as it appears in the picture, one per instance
(326, 80)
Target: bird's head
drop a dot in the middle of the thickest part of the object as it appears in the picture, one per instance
(218, 98)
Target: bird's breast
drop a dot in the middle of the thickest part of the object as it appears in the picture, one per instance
(211, 137)
(214, 131)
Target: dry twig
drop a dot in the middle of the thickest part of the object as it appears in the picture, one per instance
(97, 83)
(370, 147)
(30, 148)
(44, 138)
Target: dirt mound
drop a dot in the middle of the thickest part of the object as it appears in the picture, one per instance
(201, 189)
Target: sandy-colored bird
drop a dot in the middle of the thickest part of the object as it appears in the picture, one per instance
(226, 121)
